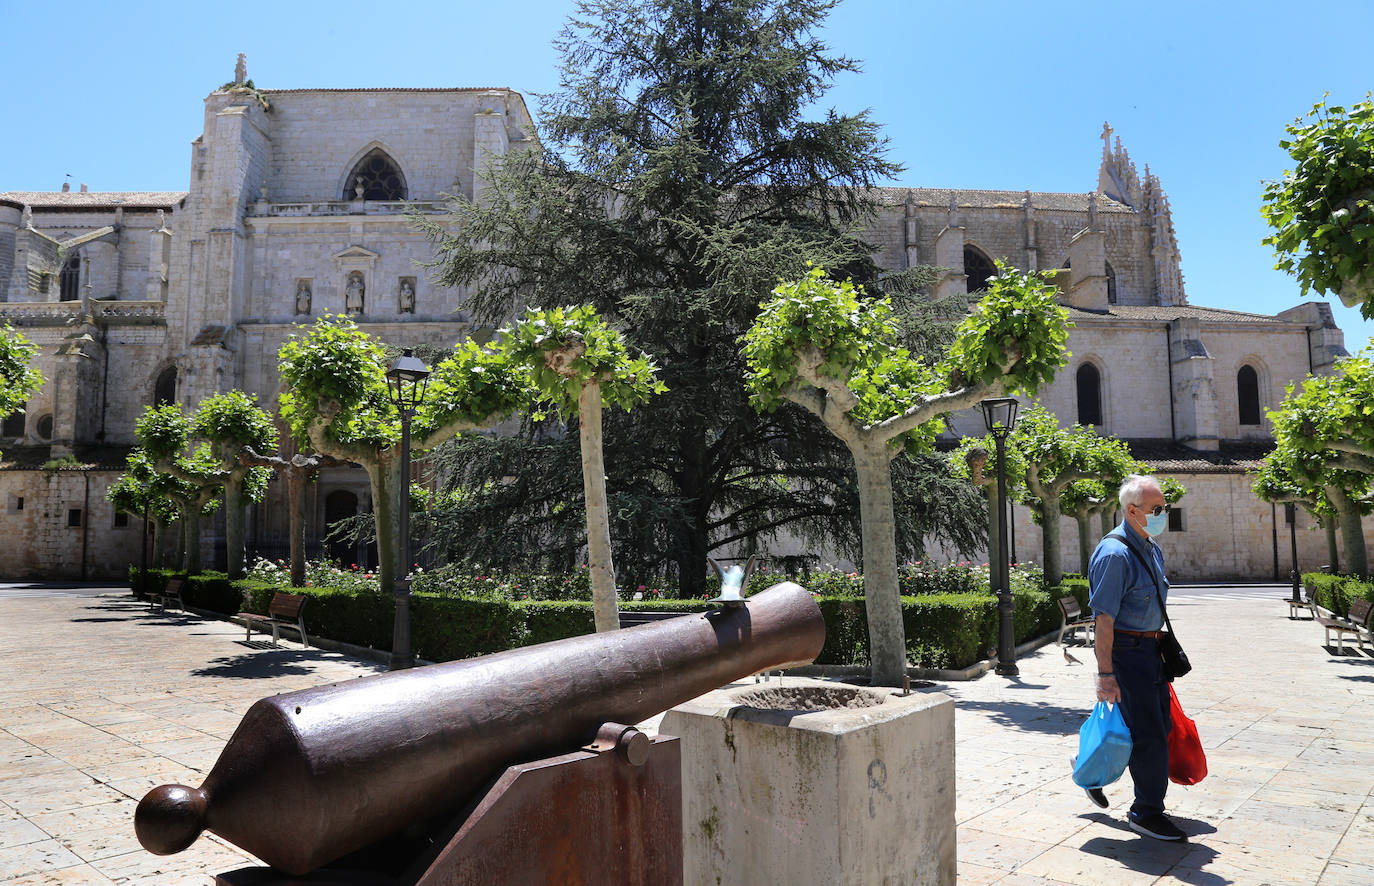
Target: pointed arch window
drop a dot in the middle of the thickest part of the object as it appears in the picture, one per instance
(14, 424)
(1247, 395)
(69, 279)
(978, 268)
(1089, 383)
(1111, 284)
(379, 178)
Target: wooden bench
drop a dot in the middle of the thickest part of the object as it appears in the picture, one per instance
(169, 594)
(283, 612)
(1071, 618)
(1304, 601)
(1357, 623)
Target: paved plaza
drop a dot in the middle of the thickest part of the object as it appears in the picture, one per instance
(101, 700)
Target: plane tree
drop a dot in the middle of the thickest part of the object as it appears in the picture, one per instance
(826, 346)
(18, 378)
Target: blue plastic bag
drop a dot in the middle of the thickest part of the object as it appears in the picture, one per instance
(1104, 747)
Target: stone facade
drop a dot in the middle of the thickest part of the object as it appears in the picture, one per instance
(296, 208)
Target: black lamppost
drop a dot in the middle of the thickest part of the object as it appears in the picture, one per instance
(1291, 512)
(406, 381)
(999, 413)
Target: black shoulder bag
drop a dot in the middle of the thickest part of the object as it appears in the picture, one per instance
(1176, 662)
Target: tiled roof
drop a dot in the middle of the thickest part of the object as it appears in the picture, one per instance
(1164, 313)
(96, 199)
(1169, 457)
(978, 199)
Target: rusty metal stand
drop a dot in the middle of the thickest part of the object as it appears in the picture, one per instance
(609, 813)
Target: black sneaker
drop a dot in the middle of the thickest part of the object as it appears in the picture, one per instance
(1156, 825)
(1095, 794)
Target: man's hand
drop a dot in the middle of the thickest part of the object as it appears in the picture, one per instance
(1107, 690)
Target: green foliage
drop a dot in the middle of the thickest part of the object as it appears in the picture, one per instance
(335, 367)
(163, 431)
(57, 464)
(230, 421)
(18, 380)
(564, 349)
(1322, 210)
(854, 340)
(472, 387)
(212, 591)
(1017, 335)
(1335, 593)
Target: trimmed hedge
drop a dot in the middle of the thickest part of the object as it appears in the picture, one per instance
(943, 630)
(1335, 592)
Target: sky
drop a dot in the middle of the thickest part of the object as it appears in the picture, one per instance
(998, 95)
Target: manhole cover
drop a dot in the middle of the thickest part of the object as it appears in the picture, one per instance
(809, 698)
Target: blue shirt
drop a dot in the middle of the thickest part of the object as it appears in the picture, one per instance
(1120, 586)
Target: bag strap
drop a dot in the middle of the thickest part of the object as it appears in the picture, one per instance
(1159, 595)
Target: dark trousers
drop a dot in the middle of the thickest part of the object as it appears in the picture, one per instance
(1145, 707)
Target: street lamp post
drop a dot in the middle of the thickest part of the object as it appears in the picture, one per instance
(999, 414)
(406, 382)
(1291, 512)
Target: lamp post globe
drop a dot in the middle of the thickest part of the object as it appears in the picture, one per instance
(999, 415)
(406, 380)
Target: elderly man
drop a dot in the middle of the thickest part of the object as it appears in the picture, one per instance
(1126, 577)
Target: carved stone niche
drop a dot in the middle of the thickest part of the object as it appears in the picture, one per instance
(405, 295)
(357, 264)
(304, 287)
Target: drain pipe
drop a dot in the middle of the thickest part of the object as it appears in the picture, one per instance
(1169, 355)
(1311, 365)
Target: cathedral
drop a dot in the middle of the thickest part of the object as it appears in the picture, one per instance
(297, 206)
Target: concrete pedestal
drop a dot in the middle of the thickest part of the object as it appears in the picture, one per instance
(810, 782)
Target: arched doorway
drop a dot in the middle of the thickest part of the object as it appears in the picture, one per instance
(341, 504)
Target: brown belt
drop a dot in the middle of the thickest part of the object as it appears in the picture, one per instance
(1153, 635)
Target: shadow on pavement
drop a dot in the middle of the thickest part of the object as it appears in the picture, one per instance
(276, 663)
(1031, 717)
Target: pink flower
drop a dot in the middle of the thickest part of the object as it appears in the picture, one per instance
(642, 587)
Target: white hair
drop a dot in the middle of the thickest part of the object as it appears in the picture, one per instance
(1133, 489)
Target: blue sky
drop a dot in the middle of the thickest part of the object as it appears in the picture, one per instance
(972, 95)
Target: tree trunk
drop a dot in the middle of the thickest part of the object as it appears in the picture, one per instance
(599, 565)
(1333, 556)
(692, 485)
(882, 594)
(162, 542)
(1049, 530)
(1085, 540)
(384, 475)
(1352, 531)
(233, 524)
(995, 504)
(1108, 521)
(295, 494)
(190, 531)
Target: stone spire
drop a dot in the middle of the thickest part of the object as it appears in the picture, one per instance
(241, 69)
(1163, 243)
(1116, 177)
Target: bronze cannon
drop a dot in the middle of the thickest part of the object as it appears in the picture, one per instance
(311, 776)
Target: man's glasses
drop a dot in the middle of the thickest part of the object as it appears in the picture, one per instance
(1158, 509)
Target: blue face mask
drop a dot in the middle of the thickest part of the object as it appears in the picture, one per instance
(1155, 524)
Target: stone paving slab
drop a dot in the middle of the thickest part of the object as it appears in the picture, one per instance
(101, 700)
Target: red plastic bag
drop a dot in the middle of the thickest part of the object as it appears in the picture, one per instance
(1187, 762)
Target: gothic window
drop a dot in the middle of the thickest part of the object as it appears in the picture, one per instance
(1247, 393)
(1089, 395)
(69, 280)
(978, 267)
(378, 176)
(1111, 284)
(165, 390)
(14, 424)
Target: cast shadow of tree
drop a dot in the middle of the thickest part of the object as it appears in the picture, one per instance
(262, 665)
(1031, 716)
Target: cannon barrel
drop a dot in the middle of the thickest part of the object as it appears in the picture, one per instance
(313, 775)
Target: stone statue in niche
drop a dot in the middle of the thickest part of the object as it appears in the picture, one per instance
(302, 296)
(354, 293)
(407, 295)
